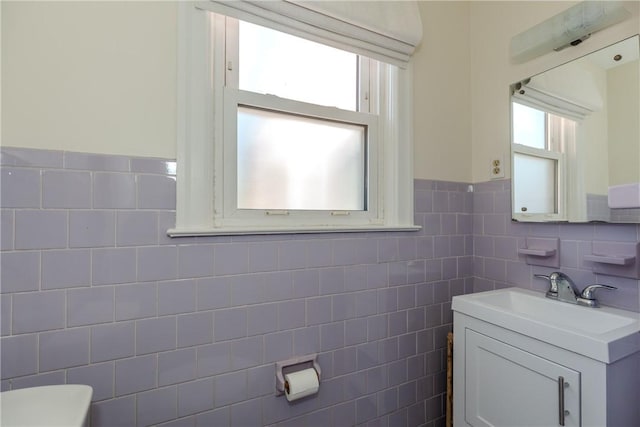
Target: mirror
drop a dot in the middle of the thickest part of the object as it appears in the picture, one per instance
(575, 140)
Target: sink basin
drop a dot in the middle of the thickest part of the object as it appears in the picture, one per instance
(605, 334)
(55, 405)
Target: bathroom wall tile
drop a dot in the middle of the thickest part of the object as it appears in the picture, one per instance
(397, 323)
(291, 314)
(218, 417)
(306, 340)
(355, 277)
(263, 256)
(344, 361)
(88, 229)
(247, 289)
(19, 355)
(176, 366)
(153, 165)
(136, 374)
(156, 406)
(261, 381)
(387, 401)
(229, 324)
(331, 280)
(176, 296)
(42, 311)
(5, 315)
(50, 378)
(331, 336)
(319, 253)
(66, 189)
(213, 359)
(387, 300)
(96, 162)
(388, 350)
(195, 396)
(156, 192)
(116, 412)
(99, 377)
(157, 263)
(616, 232)
(398, 273)
(6, 229)
(180, 422)
(90, 306)
(195, 261)
(114, 191)
(213, 293)
(63, 349)
(112, 341)
(344, 306)
(195, 329)
(262, 319)
(136, 228)
(278, 346)
(19, 271)
(19, 188)
(230, 388)
(292, 255)
(30, 157)
(306, 283)
(247, 352)
(247, 413)
(40, 229)
(66, 268)
(318, 310)
(366, 409)
(355, 331)
(154, 335)
(231, 259)
(113, 265)
(136, 301)
(278, 286)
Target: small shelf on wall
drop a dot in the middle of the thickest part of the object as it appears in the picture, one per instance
(540, 251)
(615, 259)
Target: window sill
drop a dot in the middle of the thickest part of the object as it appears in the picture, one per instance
(193, 232)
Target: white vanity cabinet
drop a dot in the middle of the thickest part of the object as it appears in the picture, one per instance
(505, 377)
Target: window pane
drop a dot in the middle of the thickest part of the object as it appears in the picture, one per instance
(529, 126)
(537, 195)
(293, 162)
(279, 64)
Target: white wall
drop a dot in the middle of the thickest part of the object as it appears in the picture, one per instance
(90, 76)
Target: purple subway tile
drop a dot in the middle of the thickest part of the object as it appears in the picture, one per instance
(278, 286)
(319, 253)
(397, 323)
(278, 346)
(355, 277)
(494, 224)
(495, 269)
(114, 191)
(112, 341)
(263, 256)
(449, 224)
(416, 271)
(157, 263)
(99, 377)
(114, 413)
(19, 355)
(136, 301)
(96, 162)
(195, 329)
(261, 381)
(506, 247)
(247, 289)
(50, 378)
(6, 229)
(156, 406)
(175, 297)
(387, 249)
(247, 352)
(262, 319)
(387, 401)
(406, 297)
(113, 265)
(407, 346)
(90, 306)
(66, 190)
(5, 315)
(30, 157)
(154, 335)
(230, 388)
(415, 319)
(377, 276)
(344, 306)
(195, 396)
(248, 413)
(214, 293)
(231, 259)
(136, 228)
(64, 349)
(292, 255)
(332, 280)
(423, 201)
(398, 273)
(344, 361)
(306, 340)
(90, 229)
(213, 359)
(40, 229)
(156, 192)
(19, 188)
(136, 374)
(366, 408)
(355, 331)
(440, 201)
(153, 166)
(230, 324)
(19, 271)
(397, 372)
(219, 417)
(318, 310)
(66, 268)
(291, 314)
(387, 300)
(332, 336)
(306, 283)
(42, 311)
(195, 261)
(366, 303)
(176, 366)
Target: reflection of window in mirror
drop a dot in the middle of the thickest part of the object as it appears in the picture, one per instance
(541, 142)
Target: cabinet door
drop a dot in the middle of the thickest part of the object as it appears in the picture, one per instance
(506, 386)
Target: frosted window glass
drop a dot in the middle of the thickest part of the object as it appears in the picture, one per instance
(294, 162)
(529, 126)
(534, 184)
(279, 64)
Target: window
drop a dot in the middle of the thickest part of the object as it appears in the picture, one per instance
(279, 133)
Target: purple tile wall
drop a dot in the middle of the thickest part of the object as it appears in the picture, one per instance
(185, 331)
(496, 239)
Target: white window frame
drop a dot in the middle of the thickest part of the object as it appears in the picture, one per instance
(202, 182)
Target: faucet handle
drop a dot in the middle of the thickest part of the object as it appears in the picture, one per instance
(589, 291)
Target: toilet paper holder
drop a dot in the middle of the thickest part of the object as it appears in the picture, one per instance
(293, 365)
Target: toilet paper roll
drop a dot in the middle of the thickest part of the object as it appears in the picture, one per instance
(301, 384)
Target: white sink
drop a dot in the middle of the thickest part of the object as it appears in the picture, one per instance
(55, 405)
(605, 334)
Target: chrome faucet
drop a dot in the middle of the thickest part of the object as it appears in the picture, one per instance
(562, 288)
